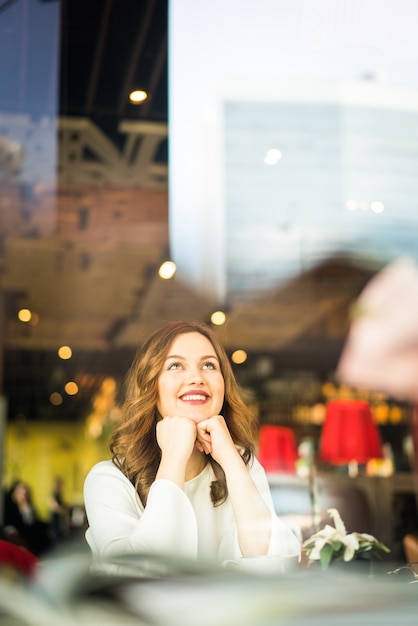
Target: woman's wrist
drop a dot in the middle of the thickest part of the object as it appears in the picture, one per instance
(172, 468)
(232, 463)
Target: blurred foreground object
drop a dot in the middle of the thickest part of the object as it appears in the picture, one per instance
(172, 592)
(17, 559)
(381, 350)
(410, 546)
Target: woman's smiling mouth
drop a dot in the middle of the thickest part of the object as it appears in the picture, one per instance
(194, 397)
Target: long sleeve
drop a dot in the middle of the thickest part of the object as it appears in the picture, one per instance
(120, 525)
(283, 541)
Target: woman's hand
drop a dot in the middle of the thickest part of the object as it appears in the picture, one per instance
(176, 437)
(213, 437)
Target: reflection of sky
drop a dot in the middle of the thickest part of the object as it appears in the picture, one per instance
(324, 39)
(278, 40)
(29, 58)
(29, 62)
(302, 38)
(342, 40)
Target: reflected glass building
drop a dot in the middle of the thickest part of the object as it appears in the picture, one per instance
(316, 169)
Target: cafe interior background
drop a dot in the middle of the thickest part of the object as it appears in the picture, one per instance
(268, 176)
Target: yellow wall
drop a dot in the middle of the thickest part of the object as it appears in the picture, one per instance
(37, 452)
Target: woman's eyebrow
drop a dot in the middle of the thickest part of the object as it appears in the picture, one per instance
(202, 358)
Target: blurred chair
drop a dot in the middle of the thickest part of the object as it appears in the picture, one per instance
(17, 559)
(293, 504)
(352, 503)
(277, 451)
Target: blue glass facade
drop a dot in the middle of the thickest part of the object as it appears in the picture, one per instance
(340, 165)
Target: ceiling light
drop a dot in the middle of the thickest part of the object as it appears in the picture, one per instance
(24, 315)
(239, 356)
(65, 352)
(351, 205)
(377, 207)
(55, 398)
(272, 156)
(71, 388)
(137, 96)
(167, 270)
(218, 318)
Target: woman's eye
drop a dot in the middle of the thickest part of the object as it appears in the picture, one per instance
(174, 366)
(209, 365)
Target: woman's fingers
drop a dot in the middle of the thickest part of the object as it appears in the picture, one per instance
(215, 437)
(212, 432)
(203, 440)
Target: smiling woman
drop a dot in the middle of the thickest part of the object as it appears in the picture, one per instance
(183, 479)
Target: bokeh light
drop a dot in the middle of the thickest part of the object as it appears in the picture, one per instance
(239, 357)
(65, 352)
(218, 318)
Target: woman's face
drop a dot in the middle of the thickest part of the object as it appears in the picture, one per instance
(191, 382)
(20, 493)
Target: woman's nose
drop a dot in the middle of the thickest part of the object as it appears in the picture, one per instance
(195, 376)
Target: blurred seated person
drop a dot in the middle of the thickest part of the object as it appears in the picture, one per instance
(59, 511)
(22, 520)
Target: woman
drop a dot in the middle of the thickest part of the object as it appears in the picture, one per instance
(59, 520)
(183, 479)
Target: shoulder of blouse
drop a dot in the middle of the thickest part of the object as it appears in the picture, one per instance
(105, 467)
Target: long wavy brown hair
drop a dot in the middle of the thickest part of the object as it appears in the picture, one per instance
(134, 446)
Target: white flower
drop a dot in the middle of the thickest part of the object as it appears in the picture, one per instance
(351, 546)
(339, 524)
(335, 544)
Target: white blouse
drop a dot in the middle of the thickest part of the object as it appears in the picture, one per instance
(175, 522)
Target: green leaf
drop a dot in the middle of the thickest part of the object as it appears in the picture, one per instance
(382, 546)
(326, 555)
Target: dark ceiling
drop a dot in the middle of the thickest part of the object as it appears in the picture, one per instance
(109, 48)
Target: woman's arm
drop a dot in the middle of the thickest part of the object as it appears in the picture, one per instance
(176, 437)
(252, 516)
(260, 532)
(119, 525)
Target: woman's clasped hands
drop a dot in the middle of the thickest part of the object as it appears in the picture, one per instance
(183, 434)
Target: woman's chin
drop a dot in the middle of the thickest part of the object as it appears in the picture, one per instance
(197, 419)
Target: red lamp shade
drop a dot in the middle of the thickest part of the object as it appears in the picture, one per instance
(277, 450)
(349, 433)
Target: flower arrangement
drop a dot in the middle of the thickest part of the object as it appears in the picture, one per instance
(335, 544)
